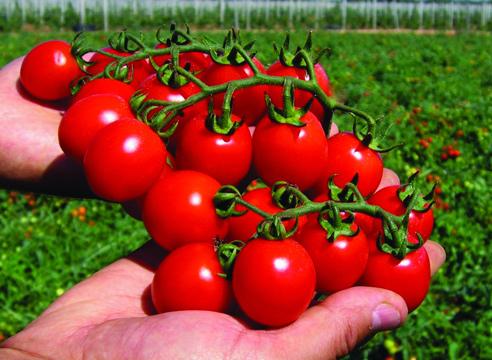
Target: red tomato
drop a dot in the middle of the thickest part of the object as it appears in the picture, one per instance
(301, 96)
(227, 158)
(187, 279)
(339, 264)
(141, 68)
(124, 160)
(249, 103)
(273, 281)
(198, 61)
(244, 227)
(408, 277)
(348, 156)
(289, 153)
(84, 119)
(49, 69)
(105, 86)
(387, 198)
(179, 209)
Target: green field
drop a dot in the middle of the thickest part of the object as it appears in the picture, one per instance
(436, 87)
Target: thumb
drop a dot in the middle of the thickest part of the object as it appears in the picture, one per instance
(335, 327)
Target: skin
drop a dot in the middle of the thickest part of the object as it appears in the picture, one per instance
(109, 315)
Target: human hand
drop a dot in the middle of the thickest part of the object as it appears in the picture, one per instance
(30, 157)
(109, 316)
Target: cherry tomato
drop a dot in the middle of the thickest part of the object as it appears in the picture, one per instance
(273, 281)
(84, 119)
(348, 156)
(249, 103)
(408, 277)
(290, 153)
(179, 209)
(227, 158)
(301, 96)
(188, 279)
(105, 86)
(387, 198)
(198, 61)
(139, 69)
(244, 227)
(339, 264)
(49, 69)
(124, 160)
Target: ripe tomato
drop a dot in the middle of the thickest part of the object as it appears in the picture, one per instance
(227, 158)
(187, 279)
(49, 69)
(289, 153)
(387, 198)
(105, 86)
(339, 264)
(179, 209)
(84, 119)
(244, 227)
(301, 96)
(273, 281)
(124, 160)
(408, 277)
(198, 61)
(139, 69)
(348, 156)
(248, 104)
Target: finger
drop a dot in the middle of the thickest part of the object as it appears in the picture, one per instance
(389, 178)
(437, 255)
(333, 130)
(335, 327)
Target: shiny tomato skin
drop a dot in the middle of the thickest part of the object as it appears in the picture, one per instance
(387, 198)
(188, 279)
(123, 160)
(408, 277)
(227, 158)
(273, 281)
(289, 153)
(199, 61)
(179, 209)
(141, 68)
(301, 96)
(48, 70)
(105, 87)
(339, 264)
(248, 104)
(347, 156)
(84, 119)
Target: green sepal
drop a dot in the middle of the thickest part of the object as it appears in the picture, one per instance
(283, 196)
(331, 221)
(288, 114)
(169, 76)
(125, 42)
(137, 101)
(295, 59)
(374, 137)
(225, 202)
(349, 193)
(272, 228)
(229, 54)
(227, 253)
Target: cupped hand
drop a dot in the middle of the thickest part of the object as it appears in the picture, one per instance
(30, 157)
(109, 316)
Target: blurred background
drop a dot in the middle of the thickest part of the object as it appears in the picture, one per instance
(423, 66)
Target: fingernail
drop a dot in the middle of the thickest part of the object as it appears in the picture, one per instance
(385, 317)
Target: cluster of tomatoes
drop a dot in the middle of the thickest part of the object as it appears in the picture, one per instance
(172, 185)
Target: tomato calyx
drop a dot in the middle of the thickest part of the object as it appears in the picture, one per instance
(413, 199)
(227, 253)
(335, 224)
(297, 58)
(223, 123)
(288, 114)
(233, 52)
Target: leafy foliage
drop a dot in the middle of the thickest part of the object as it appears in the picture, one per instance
(438, 92)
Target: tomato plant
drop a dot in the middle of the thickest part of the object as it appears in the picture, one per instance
(85, 118)
(188, 279)
(179, 209)
(123, 161)
(290, 153)
(49, 69)
(340, 262)
(273, 281)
